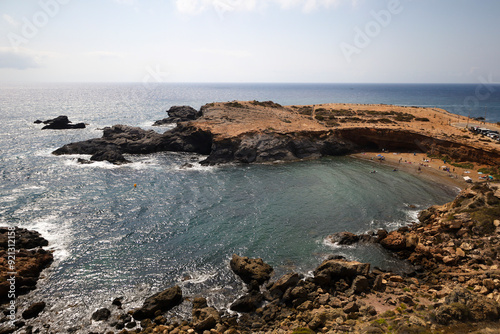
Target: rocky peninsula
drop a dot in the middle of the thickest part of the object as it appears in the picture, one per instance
(248, 132)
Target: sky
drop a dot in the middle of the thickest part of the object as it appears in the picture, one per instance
(299, 41)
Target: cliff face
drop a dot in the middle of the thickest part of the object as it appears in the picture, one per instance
(258, 132)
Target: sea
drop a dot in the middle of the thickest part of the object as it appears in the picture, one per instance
(180, 226)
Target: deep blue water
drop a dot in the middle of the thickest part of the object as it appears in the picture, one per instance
(181, 226)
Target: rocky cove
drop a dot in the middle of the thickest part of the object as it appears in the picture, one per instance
(341, 295)
(454, 286)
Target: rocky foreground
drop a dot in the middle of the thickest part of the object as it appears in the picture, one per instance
(454, 288)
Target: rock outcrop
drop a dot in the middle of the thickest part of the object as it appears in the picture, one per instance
(60, 123)
(122, 139)
(21, 253)
(160, 302)
(179, 114)
(250, 270)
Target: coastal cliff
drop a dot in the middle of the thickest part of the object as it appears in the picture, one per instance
(248, 132)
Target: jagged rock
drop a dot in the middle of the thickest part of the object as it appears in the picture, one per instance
(33, 310)
(101, 314)
(251, 269)
(30, 260)
(162, 301)
(359, 284)
(179, 114)
(23, 238)
(111, 156)
(331, 270)
(60, 123)
(199, 303)
(394, 241)
(279, 287)
(462, 304)
(247, 303)
(351, 307)
(344, 238)
(205, 318)
(120, 139)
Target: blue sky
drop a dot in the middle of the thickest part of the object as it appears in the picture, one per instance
(405, 41)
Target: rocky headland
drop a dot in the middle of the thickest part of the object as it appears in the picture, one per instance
(248, 132)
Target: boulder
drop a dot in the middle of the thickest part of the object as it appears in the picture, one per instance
(279, 287)
(101, 314)
(462, 305)
(359, 284)
(60, 123)
(162, 301)
(247, 303)
(111, 156)
(204, 319)
(394, 241)
(344, 238)
(179, 114)
(251, 269)
(33, 310)
(332, 270)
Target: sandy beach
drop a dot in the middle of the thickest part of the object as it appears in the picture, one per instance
(421, 165)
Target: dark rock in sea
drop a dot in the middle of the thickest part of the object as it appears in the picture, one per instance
(84, 161)
(247, 303)
(60, 123)
(162, 301)
(33, 310)
(101, 314)
(120, 139)
(251, 269)
(38, 121)
(114, 157)
(344, 238)
(117, 302)
(179, 114)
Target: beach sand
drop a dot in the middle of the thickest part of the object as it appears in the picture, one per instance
(431, 169)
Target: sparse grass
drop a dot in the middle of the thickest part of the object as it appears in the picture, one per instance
(463, 165)
(269, 104)
(235, 104)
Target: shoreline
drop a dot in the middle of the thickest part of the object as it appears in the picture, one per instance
(429, 172)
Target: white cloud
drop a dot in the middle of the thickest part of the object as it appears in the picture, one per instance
(226, 52)
(20, 59)
(105, 55)
(10, 20)
(125, 2)
(193, 7)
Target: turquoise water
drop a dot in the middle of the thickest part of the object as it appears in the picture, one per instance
(179, 226)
